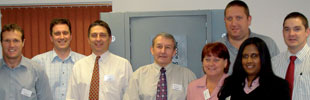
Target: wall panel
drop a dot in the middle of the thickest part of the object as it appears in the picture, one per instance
(35, 22)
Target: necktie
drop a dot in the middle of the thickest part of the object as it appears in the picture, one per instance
(290, 74)
(94, 84)
(162, 86)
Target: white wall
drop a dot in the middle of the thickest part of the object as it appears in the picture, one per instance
(49, 2)
(267, 15)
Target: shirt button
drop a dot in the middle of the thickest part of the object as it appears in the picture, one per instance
(63, 72)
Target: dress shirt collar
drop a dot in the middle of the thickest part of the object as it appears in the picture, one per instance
(253, 86)
(250, 35)
(55, 56)
(230, 45)
(301, 55)
(204, 80)
(158, 67)
(21, 64)
(103, 56)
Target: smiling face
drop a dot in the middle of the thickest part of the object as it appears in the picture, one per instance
(163, 50)
(237, 22)
(99, 39)
(251, 60)
(295, 34)
(12, 44)
(61, 37)
(214, 66)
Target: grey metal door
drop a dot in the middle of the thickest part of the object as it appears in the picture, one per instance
(191, 29)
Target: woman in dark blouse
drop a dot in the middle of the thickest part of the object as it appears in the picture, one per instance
(252, 77)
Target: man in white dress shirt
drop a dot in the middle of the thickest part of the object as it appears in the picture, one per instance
(113, 71)
(295, 33)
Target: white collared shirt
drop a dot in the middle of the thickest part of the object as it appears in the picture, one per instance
(114, 73)
(301, 90)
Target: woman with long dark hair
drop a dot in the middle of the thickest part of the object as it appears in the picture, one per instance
(252, 77)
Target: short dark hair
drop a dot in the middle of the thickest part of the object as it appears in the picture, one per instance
(166, 35)
(59, 21)
(12, 27)
(216, 49)
(299, 15)
(240, 4)
(100, 23)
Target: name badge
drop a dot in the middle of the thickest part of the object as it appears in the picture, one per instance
(108, 78)
(228, 98)
(26, 92)
(206, 93)
(177, 87)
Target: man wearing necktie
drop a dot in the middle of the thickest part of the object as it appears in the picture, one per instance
(101, 75)
(294, 64)
(161, 80)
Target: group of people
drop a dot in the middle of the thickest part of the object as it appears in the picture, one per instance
(242, 65)
(258, 71)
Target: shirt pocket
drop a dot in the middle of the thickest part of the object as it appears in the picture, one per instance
(177, 91)
(302, 87)
(27, 94)
(110, 85)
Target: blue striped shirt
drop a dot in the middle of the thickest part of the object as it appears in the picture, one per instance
(58, 71)
(301, 90)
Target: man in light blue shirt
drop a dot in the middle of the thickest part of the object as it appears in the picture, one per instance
(58, 62)
(20, 78)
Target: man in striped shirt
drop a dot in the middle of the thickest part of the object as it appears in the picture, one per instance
(295, 33)
(58, 63)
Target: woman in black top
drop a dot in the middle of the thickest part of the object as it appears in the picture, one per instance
(252, 77)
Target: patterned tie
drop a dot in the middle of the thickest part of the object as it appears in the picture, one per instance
(162, 86)
(94, 84)
(290, 74)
